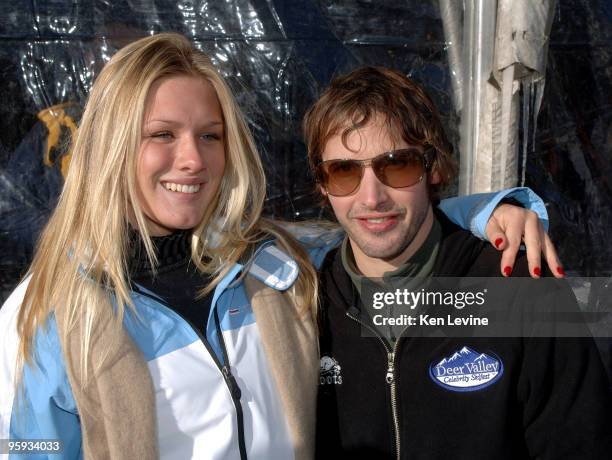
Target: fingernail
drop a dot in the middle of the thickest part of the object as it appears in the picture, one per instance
(507, 270)
(560, 271)
(498, 242)
(537, 271)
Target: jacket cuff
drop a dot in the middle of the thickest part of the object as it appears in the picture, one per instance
(472, 212)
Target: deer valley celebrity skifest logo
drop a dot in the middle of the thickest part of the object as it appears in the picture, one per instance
(467, 370)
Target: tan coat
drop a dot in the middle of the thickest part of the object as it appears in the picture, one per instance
(117, 407)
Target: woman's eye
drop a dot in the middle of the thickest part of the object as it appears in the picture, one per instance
(210, 137)
(162, 135)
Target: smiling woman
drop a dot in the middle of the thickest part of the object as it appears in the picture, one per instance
(141, 329)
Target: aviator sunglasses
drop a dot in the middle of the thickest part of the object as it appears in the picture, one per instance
(397, 169)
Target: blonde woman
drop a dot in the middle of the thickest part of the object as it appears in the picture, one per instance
(162, 316)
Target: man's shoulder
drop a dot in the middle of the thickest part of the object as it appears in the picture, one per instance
(459, 251)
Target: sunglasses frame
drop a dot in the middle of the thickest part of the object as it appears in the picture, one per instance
(426, 156)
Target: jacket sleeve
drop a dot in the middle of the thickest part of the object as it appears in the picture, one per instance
(567, 411)
(563, 386)
(472, 212)
(327, 436)
(40, 405)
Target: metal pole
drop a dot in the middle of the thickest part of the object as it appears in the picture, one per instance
(478, 48)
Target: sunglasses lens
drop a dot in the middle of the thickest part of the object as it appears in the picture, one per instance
(343, 177)
(401, 168)
(397, 169)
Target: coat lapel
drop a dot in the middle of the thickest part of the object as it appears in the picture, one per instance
(290, 343)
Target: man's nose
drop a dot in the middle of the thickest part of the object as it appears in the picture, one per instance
(372, 192)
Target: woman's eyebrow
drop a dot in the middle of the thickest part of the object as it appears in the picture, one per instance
(207, 124)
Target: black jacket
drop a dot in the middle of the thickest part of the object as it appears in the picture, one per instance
(551, 401)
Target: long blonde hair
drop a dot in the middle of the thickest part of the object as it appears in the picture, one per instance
(80, 263)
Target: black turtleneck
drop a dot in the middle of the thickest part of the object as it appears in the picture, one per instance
(177, 280)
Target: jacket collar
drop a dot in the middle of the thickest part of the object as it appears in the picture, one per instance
(457, 253)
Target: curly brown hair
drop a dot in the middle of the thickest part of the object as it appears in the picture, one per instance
(357, 98)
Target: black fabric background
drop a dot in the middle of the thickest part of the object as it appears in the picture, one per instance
(278, 54)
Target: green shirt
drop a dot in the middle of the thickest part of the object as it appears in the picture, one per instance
(409, 276)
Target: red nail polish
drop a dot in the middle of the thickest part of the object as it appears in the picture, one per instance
(507, 270)
(560, 271)
(537, 271)
(498, 242)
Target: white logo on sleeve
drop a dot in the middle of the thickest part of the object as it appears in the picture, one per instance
(329, 373)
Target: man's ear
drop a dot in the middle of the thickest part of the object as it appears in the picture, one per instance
(322, 190)
(434, 177)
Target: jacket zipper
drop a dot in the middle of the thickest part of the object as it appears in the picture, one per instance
(228, 377)
(234, 389)
(389, 378)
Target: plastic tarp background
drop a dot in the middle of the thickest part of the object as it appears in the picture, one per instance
(277, 56)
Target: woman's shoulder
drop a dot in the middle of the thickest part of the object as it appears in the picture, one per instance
(10, 308)
(46, 336)
(272, 265)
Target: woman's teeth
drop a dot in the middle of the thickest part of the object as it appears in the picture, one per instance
(182, 188)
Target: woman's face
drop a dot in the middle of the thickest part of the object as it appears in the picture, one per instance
(182, 154)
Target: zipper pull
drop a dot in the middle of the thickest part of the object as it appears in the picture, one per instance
(231, 383)
(390, 367)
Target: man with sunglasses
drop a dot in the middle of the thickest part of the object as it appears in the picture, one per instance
(380, 156)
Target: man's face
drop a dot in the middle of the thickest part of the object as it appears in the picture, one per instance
(383, 223)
